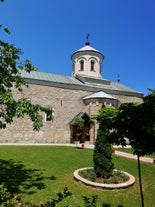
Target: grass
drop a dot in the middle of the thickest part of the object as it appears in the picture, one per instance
(39, 172)
(129, 150)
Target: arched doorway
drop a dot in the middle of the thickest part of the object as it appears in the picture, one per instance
(80, 134)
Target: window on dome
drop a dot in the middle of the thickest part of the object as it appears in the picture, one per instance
(81, 65)
(92, 63)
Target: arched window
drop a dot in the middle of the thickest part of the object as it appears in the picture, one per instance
(81, 65)
(92, 63)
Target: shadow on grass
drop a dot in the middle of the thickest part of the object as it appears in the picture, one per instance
(18, 179)
(108, 205)
(93, 202)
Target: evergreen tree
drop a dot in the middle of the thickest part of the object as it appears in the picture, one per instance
(103, 165)
(102, 158)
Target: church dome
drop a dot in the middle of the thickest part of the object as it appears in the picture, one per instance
(87, 48)
(87, 62)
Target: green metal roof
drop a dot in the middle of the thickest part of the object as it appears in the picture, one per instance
(86, 82)
(121, 87)
(36, 75)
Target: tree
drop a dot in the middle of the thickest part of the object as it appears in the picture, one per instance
(102, 158)
(137, 123)
(79, 123)
(10, 79)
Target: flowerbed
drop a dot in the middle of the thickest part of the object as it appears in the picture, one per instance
(117, 177)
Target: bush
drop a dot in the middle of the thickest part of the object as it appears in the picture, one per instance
(117, 177)
(89, 174)
(4, 194)
(8, 200)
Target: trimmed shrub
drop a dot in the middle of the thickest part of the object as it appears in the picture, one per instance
(102, 158)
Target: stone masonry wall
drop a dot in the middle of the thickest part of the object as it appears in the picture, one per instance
(66, 104)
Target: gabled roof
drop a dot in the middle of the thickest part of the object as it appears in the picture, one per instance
(81, 114)
(99, 94)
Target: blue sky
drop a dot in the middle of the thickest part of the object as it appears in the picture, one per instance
(49, 32)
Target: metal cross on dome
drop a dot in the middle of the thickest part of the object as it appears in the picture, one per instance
(87, 37)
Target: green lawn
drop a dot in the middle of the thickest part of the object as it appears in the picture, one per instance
(39, 172)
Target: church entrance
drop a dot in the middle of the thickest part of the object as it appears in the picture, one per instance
(80, 128)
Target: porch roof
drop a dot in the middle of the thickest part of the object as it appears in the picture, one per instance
(99, 94)
(81, 114)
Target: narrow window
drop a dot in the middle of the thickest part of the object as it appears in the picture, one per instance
(92, 63)
(81, 65)
(49, 116)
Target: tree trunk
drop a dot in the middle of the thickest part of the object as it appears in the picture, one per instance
(140, 182)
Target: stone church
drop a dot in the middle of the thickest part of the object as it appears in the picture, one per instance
(80, 95)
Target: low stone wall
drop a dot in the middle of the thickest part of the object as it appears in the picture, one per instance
(130, 182)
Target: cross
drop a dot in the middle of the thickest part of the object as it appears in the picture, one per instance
(87, 37)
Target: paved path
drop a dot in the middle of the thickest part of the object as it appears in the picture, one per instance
(131, 156)
(123, 154)
(144, 159)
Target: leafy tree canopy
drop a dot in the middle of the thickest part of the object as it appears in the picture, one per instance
(10, 79)
(106, 117)
(79, 122)
(137, 123)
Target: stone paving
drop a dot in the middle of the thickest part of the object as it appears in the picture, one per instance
(131, 156)
(128, 155)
